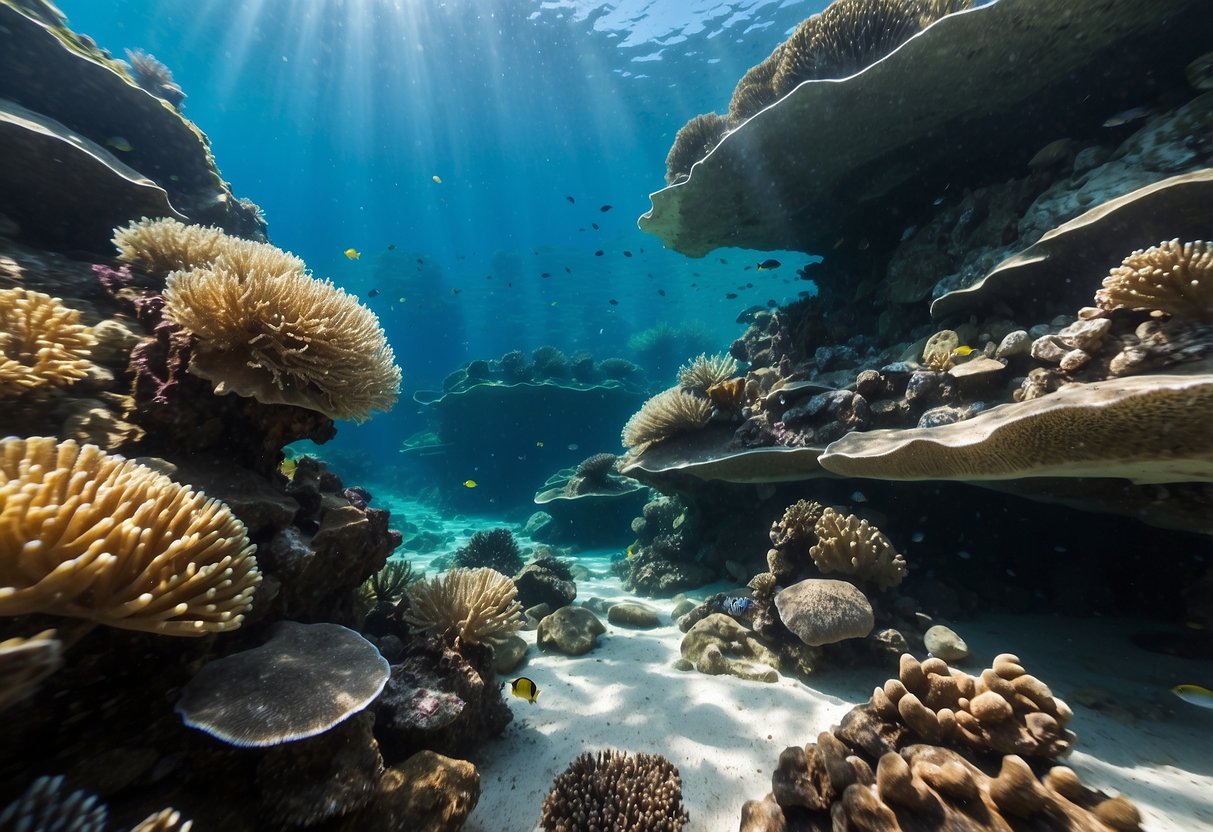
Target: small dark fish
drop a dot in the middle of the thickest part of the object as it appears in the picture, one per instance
(605, 208)
(546, 274)
(613, 302)
(419, 260)
(769, 264)
(694, 285)
(595, 225)
(488, 277)
(771, 303)
(1126, 116)
(731, 295)
(661, 292)
(374, 293)
(454, 291)
(642, 251)
(599, 253)
(627, 253)
(391, 247)
(571, 200)
(749, 285)
(724, 262)
(567, 270)
(746, 269)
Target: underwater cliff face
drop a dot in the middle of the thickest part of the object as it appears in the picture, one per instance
(374, 455)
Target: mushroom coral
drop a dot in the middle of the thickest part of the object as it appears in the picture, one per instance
(94, 536)
(667, 414)
(306, 679)
(475, 604)
(614, 790)
(42, 342)
(1171, 277)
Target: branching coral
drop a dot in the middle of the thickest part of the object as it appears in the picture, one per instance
(495, 549)
(667, 414)
(287, 339)
(855, 547)
(705, 371)
(795, 528)
(616, 791)
(42, 342)
(474, 604)
(1170, 277)
(165, 245)
(694, 140)
(24, 662)
(94, 536)
(154, 77)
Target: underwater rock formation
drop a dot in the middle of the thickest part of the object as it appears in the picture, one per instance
(573, 631)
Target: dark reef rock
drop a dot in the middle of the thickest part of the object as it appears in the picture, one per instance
(545, 580)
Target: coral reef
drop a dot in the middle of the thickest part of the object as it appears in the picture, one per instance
(618, 791)
(155, 77)
(495, 549)
(166, 245)
(45, 806)
(695, 140)
(546, 580)
(596, 468)
(474, 604)
(89, 535)
(667, 414)
(855, 547)
(824, 611)
(24, 662)
(42, 342)
(703, 372)
(1173, 278)
(717, 644)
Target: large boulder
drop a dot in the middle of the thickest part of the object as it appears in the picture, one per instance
(570, 630)
(823, 611)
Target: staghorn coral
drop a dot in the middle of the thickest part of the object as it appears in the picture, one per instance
(703, 372)
(1171, 277)
(154, 77)
(286, 339)
(474, 604)
(165, 245)
(667, 414)
(495, 549)
(855, 547)
(42, 342)
(44, 806)
(694, 140)
(24, 662)
(616, 791)
(97, 537)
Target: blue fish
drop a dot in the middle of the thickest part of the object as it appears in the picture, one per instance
(737, 606)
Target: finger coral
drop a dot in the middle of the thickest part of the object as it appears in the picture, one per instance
(1171, 277)
(694, 140)
(705, 371)
(855, 547)
(285, 339)
(93, 536)
(474, 604)
(667, 414)
(42, 342)
(24, 662)
(614, 790)
(165, 245)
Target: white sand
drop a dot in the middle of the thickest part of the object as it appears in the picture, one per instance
(725, 734)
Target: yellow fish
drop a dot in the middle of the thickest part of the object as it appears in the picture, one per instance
(469, 483)
(963, 352)
(437, 179)
(119, 143)
(287, 467)
(1194, 695)
(352, 253)
(524, 688)
(631, 550)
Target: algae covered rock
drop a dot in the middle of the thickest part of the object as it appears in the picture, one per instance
(633, 614)
(573, 631)
(824, 612)
(719, 645)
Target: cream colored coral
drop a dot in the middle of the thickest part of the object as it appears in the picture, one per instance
(166, 820)
(855, 547)
(667, 414)
(94, 536)
(476, 604)
(285, 339)
(166, 245)
(42, 342)
(24, 662)
(1171, 277)
(705, 371)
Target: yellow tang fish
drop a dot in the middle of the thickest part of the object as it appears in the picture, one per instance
(1194, 695)
(631, 550)
(963, 352)
(524, 688)
(469, 483)
(437, 179)
(352, 253)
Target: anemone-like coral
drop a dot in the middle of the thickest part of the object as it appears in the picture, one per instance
(753, 92)
(44, 805)
(154, 77)
(550, 362)
(285, 339)
(1171, 277)
(596, 467)
(706, 371)
(166, 820)
(473, 604)
(855, 547)
(495, 549)
(165, 245)
(614, 790)
(24, 662)
(667, 414)
(94, 536)
(42, 342)
(694, 140)
(389, 583)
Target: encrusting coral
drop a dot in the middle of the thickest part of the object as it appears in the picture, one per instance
(1171, 277)
(694, 140)
(616, 791)
(24, 662)
(855, 547)
(97, 537)
(474, 604)
(704, 371)
(667, 414)
(42, 342)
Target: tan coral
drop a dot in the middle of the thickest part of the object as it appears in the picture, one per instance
(855, 547)
(25, 662)
(286, 339)
(42, 342)
(474, 604)
(94, 536)
(165, 245)
(667, 414)
(694, 140)
(1171, 277)
(166, 820)
(704, 371)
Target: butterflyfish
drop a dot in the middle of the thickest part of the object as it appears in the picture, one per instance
(352, 253)
(469, 483)
(1194, 695)
(524, 688)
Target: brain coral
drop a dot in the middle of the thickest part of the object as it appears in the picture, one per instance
(1171, 277)
(97, 537)
(285, 339)
(667, 414)
(42, 342)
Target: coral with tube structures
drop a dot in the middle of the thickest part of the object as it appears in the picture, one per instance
(667, 414)
(166, 245)
(94, 536)
(855, 547)
(42, 342)
(154, 77)
(473, 604)
(617, 791)
(694, 140)
(704, 371)
(1171, 277)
